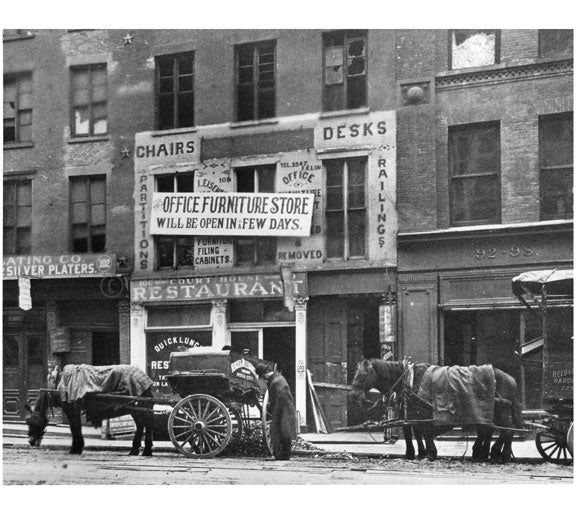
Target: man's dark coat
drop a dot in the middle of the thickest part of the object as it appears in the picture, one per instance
(283, 412)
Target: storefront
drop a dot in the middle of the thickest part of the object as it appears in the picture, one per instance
(79, 314)
(467, 314)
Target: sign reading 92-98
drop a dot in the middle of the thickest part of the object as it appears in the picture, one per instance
(232, 214)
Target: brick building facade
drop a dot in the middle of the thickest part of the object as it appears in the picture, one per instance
(101, 123)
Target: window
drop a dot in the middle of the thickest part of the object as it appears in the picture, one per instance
(255, 251)
(18, 109)
(553, 43)
(256, 81)
(556, 134)
(89, 93)
(471, 48)
(17, 217)
(175, 251)
(88, 214)
(345, 208)
(474, 160)
(344, 70)
(175, 91)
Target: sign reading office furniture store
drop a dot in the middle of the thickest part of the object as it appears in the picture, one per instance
(219, 287)
(227, 214)
(59, 266)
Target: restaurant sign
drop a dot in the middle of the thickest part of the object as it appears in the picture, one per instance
(212, 288)
(232, 214)
(59, 266)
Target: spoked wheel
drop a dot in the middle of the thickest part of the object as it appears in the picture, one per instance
(570, 439)
(553, 447)
(266, 419)
(200, 426)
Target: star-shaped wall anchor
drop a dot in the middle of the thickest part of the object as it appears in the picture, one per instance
(128, 39)
(125, 152)
(122, 261)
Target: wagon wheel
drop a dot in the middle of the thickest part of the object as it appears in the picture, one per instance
(552, 446)
(266, 419)
(200, 426)
(570, 439)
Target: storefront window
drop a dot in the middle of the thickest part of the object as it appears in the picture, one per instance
(254, 311)
(179, 316)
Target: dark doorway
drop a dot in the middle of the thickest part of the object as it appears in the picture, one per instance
(105, 348)
(24, 370)
(460, 338)
(280, 347)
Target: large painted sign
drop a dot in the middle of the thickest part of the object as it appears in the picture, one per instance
(59, 266)
(152, 149)
(212, 288)
(227, 214)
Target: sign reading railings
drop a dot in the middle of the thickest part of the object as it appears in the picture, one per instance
(232, 214)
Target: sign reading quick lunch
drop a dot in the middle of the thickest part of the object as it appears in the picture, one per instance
(232, 214)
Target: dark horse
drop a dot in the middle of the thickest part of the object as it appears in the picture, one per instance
(96, 409)
(388, 377)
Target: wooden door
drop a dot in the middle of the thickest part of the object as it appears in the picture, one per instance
(327, 357)
(24, 369)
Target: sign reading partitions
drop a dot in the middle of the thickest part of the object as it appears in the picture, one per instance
(59, 266)
(24, 296)
(232, 214)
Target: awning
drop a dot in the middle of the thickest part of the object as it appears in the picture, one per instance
(558, 282)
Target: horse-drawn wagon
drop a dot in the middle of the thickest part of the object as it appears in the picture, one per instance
(219, 394)
(549, 294)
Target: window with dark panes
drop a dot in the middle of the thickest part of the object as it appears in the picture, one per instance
(475, 47)
(345, 208)
(555, 43)
(88, 214)
(175, 251)
(18, 109)
(474, 157)
(344, 70)
(556, 135)
(175, 91)
(89, 100)
(256, 81)
(255, 251)
(17, 217)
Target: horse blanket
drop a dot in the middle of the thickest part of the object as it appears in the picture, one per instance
(460, 395)
(78, 380)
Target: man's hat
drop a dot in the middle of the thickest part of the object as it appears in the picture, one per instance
(261, 369)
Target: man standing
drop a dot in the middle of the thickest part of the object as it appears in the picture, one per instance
(283, 412)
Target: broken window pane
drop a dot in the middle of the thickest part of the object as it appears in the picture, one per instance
(473, 48)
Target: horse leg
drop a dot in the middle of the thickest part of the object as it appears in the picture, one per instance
(137, 435)
(422, 453)
(73, 413)
(496, 451)
(410, 453)
(149, 437)
(506, 454)
(481, 448)
(430, 446)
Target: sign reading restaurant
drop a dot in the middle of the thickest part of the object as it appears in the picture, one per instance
(59, 266)
(227, 214)
(219, 287)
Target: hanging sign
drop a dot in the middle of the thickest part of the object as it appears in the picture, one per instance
(24, 297)
(232, 214)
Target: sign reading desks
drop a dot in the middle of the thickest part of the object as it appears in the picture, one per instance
(24, 297)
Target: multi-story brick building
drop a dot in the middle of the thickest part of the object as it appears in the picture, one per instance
(103, 127)
(485, 172)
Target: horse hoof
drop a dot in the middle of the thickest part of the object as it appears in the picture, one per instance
(134, 452)
(75, 451)
(410, 457)
(147, 453)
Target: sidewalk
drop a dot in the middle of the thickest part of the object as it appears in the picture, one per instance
(360, 444)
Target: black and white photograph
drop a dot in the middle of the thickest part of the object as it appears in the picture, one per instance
(282, 250)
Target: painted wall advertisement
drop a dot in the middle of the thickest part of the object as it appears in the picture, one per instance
(159, 345)
(59, 266)
(227, 214)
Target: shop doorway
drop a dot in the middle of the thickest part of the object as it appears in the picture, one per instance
(105, 348)
(280, 347)
(23, 371)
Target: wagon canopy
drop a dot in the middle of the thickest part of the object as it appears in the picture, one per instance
(557, 282)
